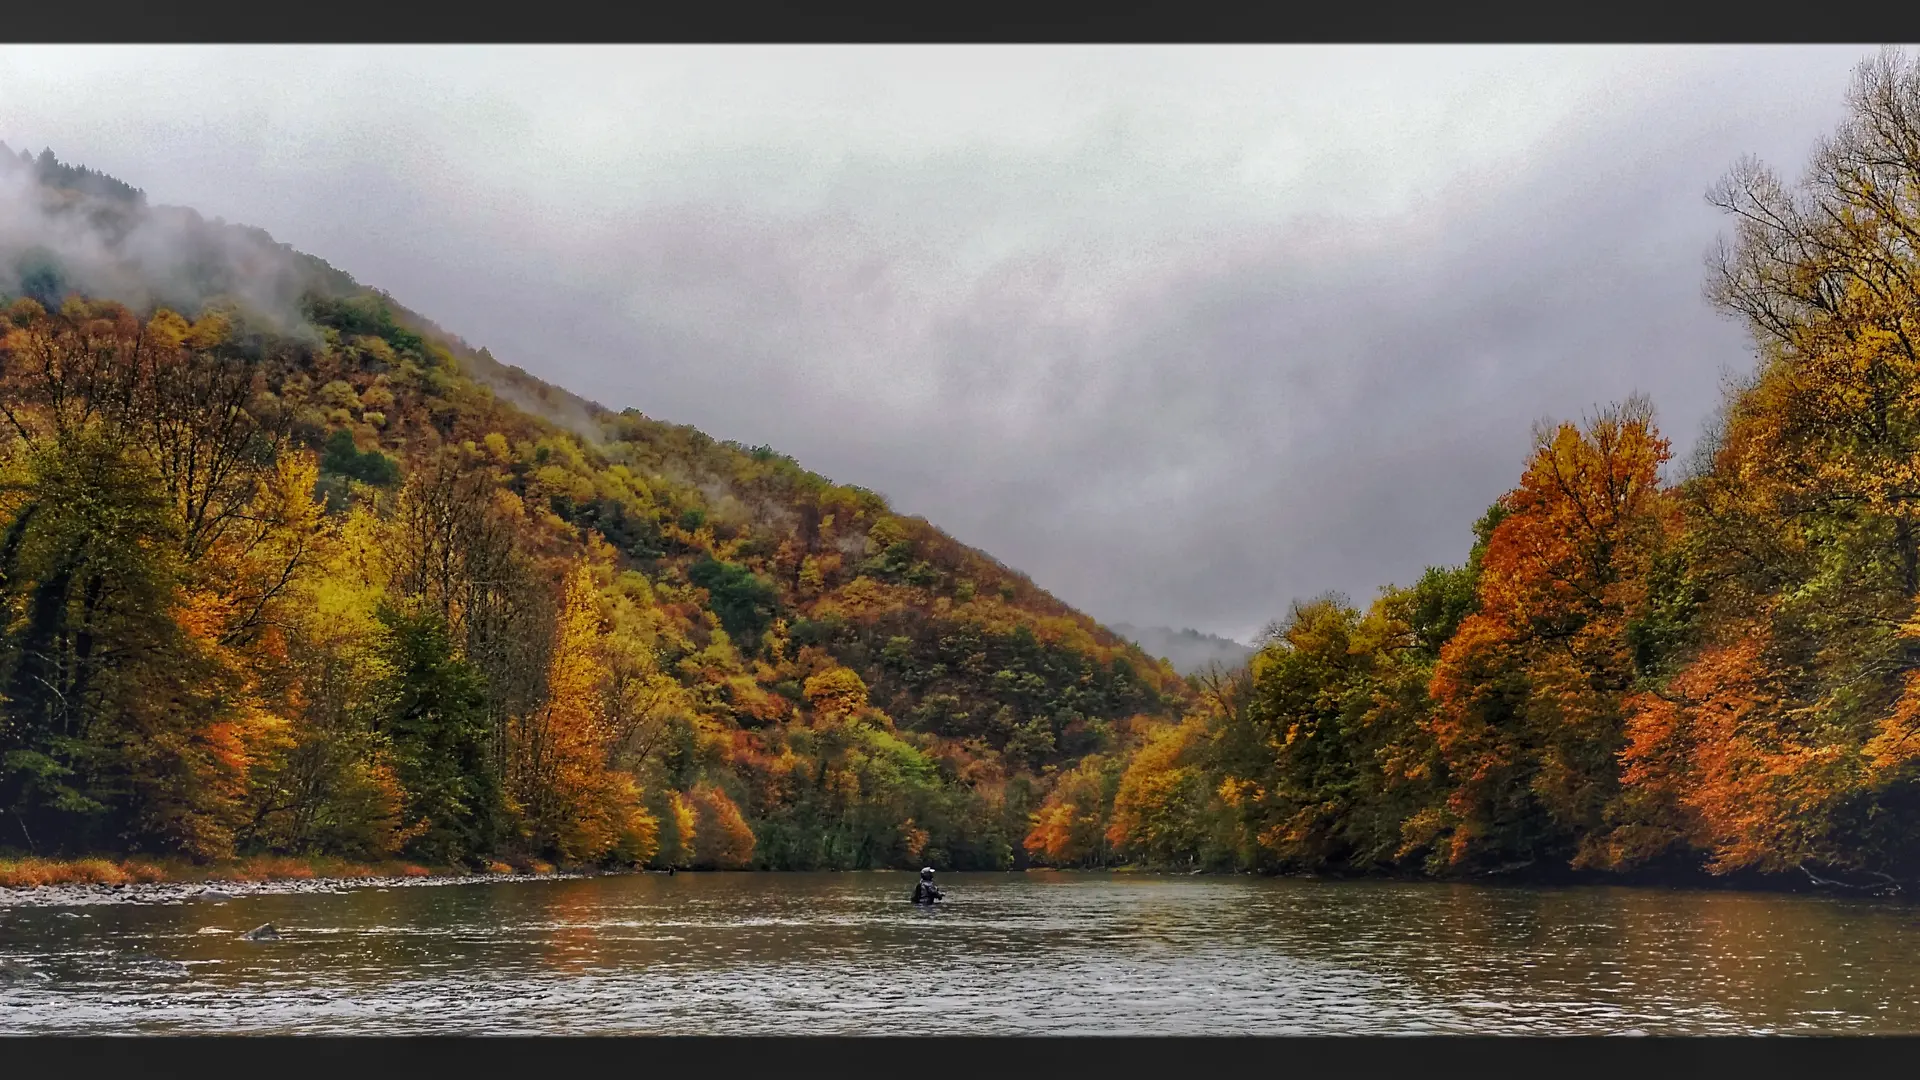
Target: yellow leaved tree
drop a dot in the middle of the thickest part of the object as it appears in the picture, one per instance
(572, 802)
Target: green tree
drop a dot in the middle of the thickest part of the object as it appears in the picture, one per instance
(113, 733)
(744, 601)
(437, 723)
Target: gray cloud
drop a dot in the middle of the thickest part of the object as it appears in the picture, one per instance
(1181, 355)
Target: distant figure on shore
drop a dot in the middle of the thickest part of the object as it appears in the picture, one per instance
(923, 890)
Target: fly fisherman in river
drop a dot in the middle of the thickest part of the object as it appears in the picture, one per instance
(923, 890)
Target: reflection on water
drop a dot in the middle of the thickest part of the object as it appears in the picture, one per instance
(1040, 953)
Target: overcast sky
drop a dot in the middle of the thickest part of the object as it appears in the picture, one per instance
(1184, 333)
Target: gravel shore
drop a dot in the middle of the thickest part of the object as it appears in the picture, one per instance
(215, 891)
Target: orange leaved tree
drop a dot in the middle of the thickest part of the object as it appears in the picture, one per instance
(1528, 694)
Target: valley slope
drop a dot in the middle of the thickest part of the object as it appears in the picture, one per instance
(288, 568)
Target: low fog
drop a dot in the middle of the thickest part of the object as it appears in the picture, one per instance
(1184, 334)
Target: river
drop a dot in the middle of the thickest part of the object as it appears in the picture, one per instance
(1032, 953)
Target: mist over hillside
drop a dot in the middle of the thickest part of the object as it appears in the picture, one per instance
(1188, 650)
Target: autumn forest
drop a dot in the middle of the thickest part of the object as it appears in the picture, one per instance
(285, 568)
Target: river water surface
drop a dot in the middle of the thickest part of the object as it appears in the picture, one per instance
(1032, 953)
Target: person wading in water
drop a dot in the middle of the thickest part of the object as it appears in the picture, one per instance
(924, 891)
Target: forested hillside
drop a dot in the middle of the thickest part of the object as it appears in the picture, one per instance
(1640, 667)
(286, 568)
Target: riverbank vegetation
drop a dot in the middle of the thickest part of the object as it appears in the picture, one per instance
(1642, 666)
(34, 872)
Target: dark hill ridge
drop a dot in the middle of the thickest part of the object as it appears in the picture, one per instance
(757, 578)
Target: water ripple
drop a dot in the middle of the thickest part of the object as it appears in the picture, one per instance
(1018, 953)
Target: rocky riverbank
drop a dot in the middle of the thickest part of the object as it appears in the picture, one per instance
(182, 892)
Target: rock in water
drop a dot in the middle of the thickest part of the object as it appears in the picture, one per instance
(14, 973)
(157, 967)
(263, 932)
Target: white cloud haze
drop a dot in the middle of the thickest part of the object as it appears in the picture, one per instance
(1184, 333)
